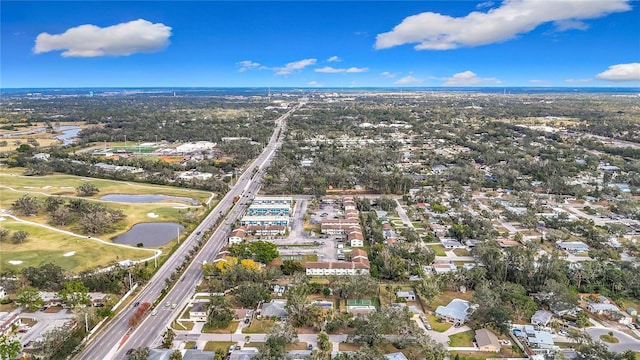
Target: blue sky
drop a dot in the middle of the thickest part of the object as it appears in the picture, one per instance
(326, 44)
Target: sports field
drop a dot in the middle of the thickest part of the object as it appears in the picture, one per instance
(82, 252)
(359, 302)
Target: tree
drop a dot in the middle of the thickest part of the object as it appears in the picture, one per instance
(323, 341)
(141, 353)
(27, 205)
(29, 297)
(289, 267)
(75, 293)
(280, 335)
(263, 251)
(175, 355)
(219, 313)
(297, 304)
(167, 339)
(10, 348)
(19, 237)
(45, 277)
(4, 233)
(250, 293)
(87, 189)
(52, 203)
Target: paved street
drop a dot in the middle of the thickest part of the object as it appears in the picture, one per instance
(112, 342)
(627, 342)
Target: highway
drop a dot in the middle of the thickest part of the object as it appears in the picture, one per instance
(113, 341)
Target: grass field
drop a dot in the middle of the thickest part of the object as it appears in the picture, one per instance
(46, 245)
(437, 324)
(227, 330)
(462, 339)
(60, 184)
(439, 250)
(258, 327)
(297, 346)
(215, 345)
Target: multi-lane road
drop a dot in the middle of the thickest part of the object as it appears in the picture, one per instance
(113, 341)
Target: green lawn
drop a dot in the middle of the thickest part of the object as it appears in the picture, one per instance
(45, 245)
(215, 345)
(258, 326)
(439, 250)
(188, 325)
(297, 346)
(476, 355)
(48, 246)
(609, 339)
(227, 330)
(59, 184)
(437, 324)
(253, 344)
(189, 344)
(462, 339)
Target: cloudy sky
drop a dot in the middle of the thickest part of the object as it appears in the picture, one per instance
(572, 43)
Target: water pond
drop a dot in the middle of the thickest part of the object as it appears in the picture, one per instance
(150, 234)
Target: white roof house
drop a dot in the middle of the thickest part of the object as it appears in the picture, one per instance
(573, 246)
(456, 311)
(541, 317)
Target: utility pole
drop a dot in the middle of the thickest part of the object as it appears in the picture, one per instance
(130, 282)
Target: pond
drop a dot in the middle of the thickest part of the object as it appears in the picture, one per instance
(150, 234)
(136, 199)
(68, 133)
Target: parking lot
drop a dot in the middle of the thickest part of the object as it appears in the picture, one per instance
(300, 242)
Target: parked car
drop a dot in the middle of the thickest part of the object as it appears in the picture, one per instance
(173, 306)
(167, 304)
(310, 347)
(136, 303)
(154, 312)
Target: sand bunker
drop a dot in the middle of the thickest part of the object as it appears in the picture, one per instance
(152, 215)
(15, 262)
(70, 253)
(2, 219)
(180, 207)
(47, 187)
(66, 187)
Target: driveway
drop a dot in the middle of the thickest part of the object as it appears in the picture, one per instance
(626, 342)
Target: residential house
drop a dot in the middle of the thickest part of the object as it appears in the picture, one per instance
(541, 318)
(443, 268)
(237, 236)
(487, 341)
(396, 356)
(266, 220)
(598, 308)
(537, 339)
(269, 231)
(269, 210)
(198, 311)
(273, 200)
(98, 298)
(406, 295)
(274, 309)
(359, 264)
(455, 312)
(50, 298)
(8, 321)
(573, 246)
(451, 244)
(337, 226)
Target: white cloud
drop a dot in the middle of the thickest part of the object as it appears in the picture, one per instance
(314, 83)
(573, 81)
(468, 78)
(621, 72)
(539, 81)
(356, 70)
(388, 74)
(331, 70)
(334, 59)
(293, 66)
(486, 4)
(408, 80)
(434, 31)
(247, 65)
(137, 36)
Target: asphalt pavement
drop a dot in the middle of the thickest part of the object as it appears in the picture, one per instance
(113, 341)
